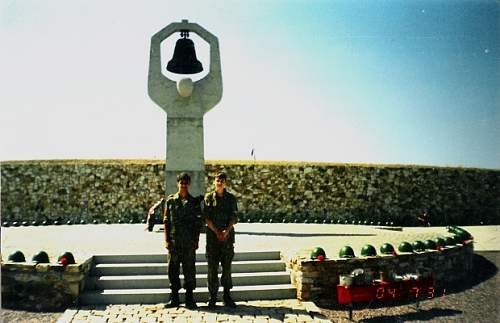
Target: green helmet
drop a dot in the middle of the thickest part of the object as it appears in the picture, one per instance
(418, 245)
(405, 247)
(449, 241)
(464, 235)
(440, 242)
(368, 250)
(386, 249)
(346, 252)
(430, 244)
(317, 252)
(456, 238)
(41, 257)
(17, 256)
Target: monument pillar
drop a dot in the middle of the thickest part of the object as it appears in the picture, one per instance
(185, 103)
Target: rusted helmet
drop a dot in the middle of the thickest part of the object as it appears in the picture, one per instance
(318, 253)
(66, 259)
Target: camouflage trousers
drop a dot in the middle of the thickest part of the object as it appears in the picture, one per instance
(186, 256)
(219, 253)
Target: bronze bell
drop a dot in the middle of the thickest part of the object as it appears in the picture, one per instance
(184, 60)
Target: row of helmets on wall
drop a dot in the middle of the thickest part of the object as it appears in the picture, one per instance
(459, 236)
(42, 257)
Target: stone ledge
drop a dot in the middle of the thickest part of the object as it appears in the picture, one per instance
(48, 286)
(316, 279)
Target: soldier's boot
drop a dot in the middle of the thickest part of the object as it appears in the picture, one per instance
(174, 299)
(228, 301)
(190, 303)
(212, 302)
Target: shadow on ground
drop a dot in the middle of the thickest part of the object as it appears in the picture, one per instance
(278, 313)
(485, 269)
(425, 315)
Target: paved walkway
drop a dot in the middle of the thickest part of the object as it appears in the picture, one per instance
(87, 240)
(250, 312)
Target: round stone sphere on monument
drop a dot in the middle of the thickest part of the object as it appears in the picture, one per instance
(185, 87)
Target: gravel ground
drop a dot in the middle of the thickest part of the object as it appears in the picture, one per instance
(9, 315)
(477, 300)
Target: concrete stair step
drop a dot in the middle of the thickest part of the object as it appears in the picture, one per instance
(155, 281)
(161, 295)
(201, 268)
(162, 258)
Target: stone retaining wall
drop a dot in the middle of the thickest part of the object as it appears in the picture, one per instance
(124, 189)
(317, 280)
(46, 287)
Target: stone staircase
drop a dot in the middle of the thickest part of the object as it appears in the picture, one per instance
(142, 279)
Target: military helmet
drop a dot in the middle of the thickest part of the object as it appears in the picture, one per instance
(463, 234)
(386, 249)
(440, 242)
(346, 252)
(449, 241)
(66, 258)
(317, 253)
(418, 245)
(405, 247)
(17, 256)
(456, 238)
(368, 250)
(40, 257)
(430, 244)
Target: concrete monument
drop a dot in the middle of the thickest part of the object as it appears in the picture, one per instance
(185, 103)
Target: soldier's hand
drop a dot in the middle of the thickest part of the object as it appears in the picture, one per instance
(220, 236)
(225, 233)
(168, 245)
(195, 245)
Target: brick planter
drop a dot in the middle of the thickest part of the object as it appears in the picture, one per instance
(318, 279)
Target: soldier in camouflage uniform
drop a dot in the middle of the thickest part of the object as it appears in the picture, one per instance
(182, 220)
(155, 214)
(219, 213)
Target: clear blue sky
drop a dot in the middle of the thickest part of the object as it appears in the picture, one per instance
(395, 82)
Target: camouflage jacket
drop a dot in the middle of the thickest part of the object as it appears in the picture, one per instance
(220, 210)
(182, 219)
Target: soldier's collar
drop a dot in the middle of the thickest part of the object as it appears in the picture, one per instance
(224, 193)
(177, 196)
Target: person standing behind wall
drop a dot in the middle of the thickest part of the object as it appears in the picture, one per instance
(182, 231)
(219, 213)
